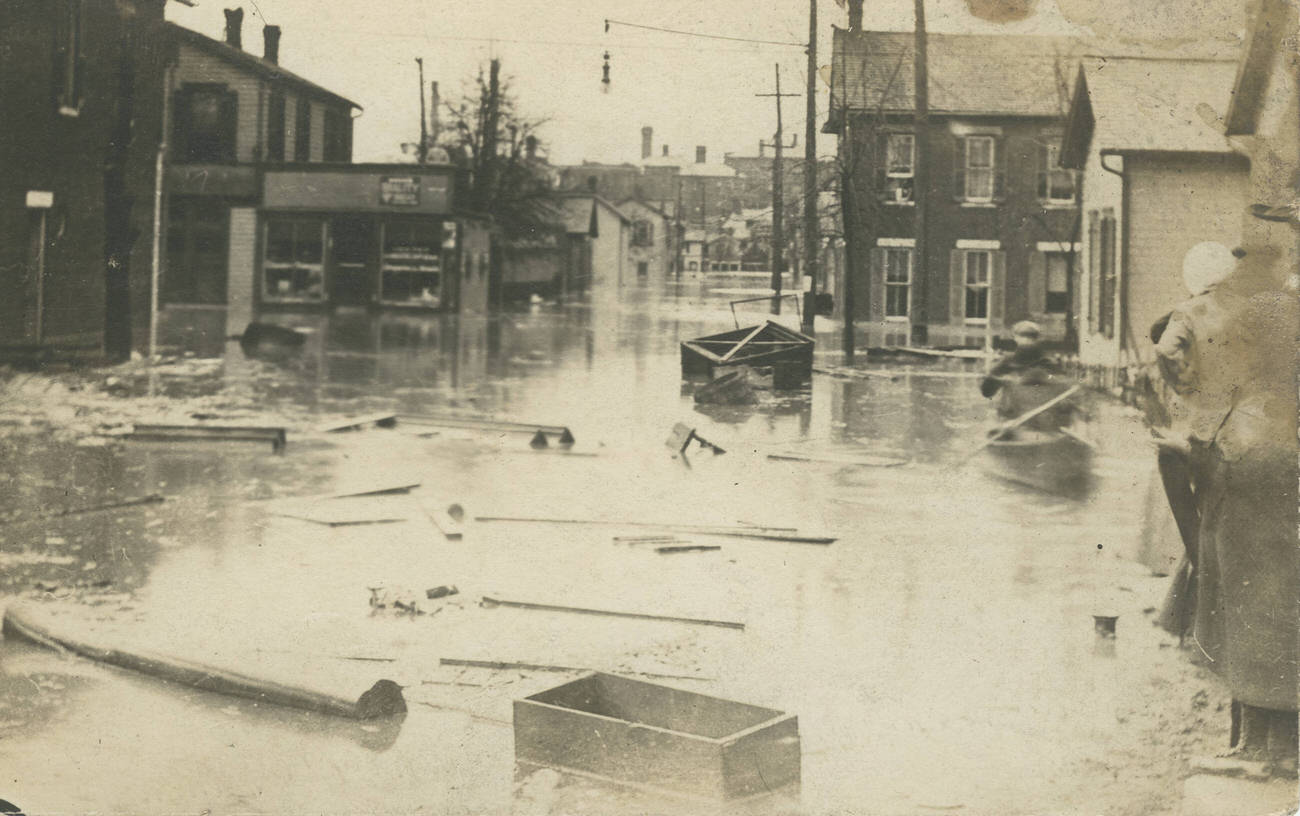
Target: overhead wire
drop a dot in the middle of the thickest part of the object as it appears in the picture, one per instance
(609, 22)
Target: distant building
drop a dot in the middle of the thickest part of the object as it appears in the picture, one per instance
(265, 210)
(652, 245)
(82, 89)
(1001, 214)
(1159, 178)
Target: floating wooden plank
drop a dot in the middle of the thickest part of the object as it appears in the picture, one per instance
(448, 521)
(345, 512)
(389, 489)
(963, 354)
(858, 461)
(611, 613)
(685, 548)
(380, 699)
(763, 533)
(565, 436)
(507, 665)
(139, 501)
(380, 420)
(217, 433)
(860, 373)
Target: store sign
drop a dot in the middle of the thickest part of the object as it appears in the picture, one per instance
(399, 191)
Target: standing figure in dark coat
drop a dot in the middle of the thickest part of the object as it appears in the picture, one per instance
(1230, 351)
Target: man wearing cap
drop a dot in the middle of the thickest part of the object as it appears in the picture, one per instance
(1025, 379)
(1230, 352)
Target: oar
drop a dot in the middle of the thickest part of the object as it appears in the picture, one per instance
(1021, 420)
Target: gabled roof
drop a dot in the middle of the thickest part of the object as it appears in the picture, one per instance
(981, 74)
(578, 213)
(255, 64)
(643, 204)
(968, 73)
(1147, 105)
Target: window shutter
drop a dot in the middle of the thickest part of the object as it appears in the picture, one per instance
(997, 289)
(181, 126)
(957, 287)
(229, 124)
(1000, 157)
(959, 170)
(882, 162)
(1036, 286)
(876, 285)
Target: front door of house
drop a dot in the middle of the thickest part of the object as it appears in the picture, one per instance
(352, 261)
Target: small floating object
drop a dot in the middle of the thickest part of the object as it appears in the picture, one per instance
(146, 432)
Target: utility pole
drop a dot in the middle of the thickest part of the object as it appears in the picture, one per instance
(424, 127)
(489, 157)
(778, 198)
(920, 184)
(810, 236)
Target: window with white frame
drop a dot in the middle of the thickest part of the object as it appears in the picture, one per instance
(1055, 183)
(898, 283)
(978, 263)
(1058, 271)
(900, 166)
(979, 168)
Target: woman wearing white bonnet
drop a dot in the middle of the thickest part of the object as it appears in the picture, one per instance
(1206, 265)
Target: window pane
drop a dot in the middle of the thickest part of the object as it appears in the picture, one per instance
(977, 268)
(1057, 265)
(979, 152)
(898, 264)
(1061, 185)
(308, 243)
(979, 184)
(977, 301)
(896, 297)
(899, 154)
(279, 241)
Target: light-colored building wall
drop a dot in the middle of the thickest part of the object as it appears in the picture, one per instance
(195, 66)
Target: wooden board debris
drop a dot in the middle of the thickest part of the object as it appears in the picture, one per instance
(610, 613)
(356, 423)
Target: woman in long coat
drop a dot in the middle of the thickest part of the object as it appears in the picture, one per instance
(1230, 350)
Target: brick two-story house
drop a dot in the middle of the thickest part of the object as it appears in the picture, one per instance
(80, 124)
(1001, 213)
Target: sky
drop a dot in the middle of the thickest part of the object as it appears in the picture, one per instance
(692, 91)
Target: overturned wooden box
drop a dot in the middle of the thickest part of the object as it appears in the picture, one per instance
(787, 352)
(649, 735)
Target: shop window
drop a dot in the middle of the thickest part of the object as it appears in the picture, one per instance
(198, 240)
(1055, 183)
(294, 264)
(1058, 270)
(898, 282)
(69, 68)
(206, 120)
(411, 263)
(302, 131)
(338, 135)
(642, 269)
(978, 266)
(275, 126)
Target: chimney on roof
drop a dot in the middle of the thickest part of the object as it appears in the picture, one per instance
(647, 135)
(665, 151)
(530, 147)
(855, 15)
(271, 43)
(234, 22)
(701, 154)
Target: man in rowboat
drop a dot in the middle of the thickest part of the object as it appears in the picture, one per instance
(1230, 352)
(1026, 379)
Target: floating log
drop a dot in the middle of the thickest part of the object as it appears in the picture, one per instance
(685, 548)
(611, 613)
(219, 433)
(381, 699)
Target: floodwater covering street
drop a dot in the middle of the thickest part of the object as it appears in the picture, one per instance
(940, 655)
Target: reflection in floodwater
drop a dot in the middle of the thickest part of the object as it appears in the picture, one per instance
(939, 654)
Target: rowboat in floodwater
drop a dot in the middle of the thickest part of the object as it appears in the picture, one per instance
(1051, 461)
